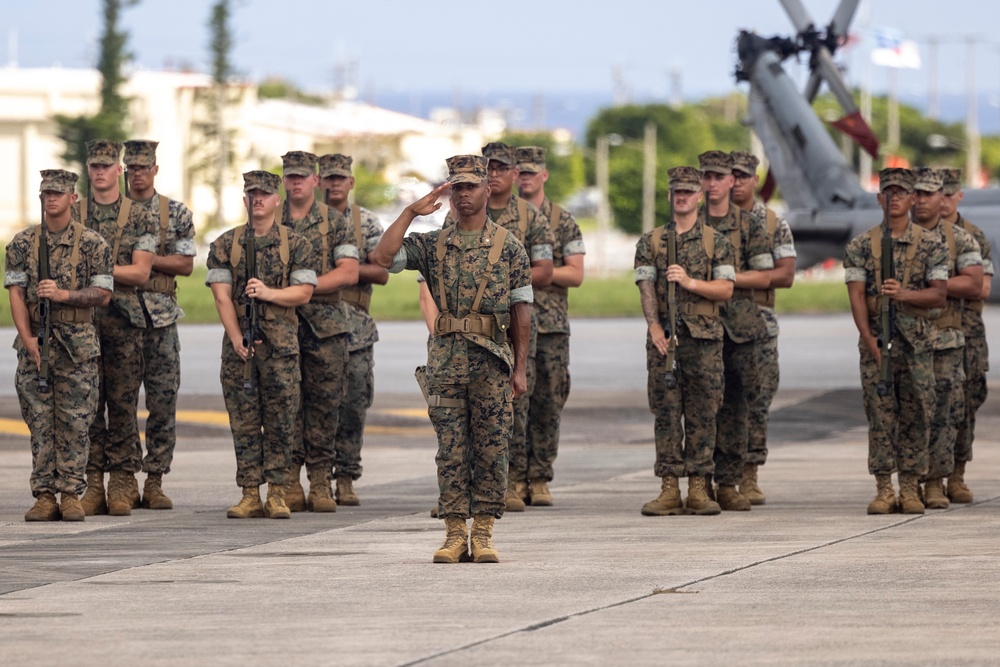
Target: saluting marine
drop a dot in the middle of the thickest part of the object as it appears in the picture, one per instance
(57, 272)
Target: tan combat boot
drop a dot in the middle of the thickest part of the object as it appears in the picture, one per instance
(455, 548)
(153, 497)
(934, 498)
(481, 540)
(730, 499)
(885, 496)
(295, 495)
(958, 492)
(249, 506)
(668, 503)
(44, 509)
(748, 485)
(275, 507)
(133, 489)
(345, 491)
(909, 494)
(538, 491)
(70, 507)
(513, 500)
(94, 501)
(119, 493)
(698, 501)
(320, 494)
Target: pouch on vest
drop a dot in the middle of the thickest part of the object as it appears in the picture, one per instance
(500, 330)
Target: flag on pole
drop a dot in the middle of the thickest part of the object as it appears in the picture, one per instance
(891, 50)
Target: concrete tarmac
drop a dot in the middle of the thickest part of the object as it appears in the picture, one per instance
(807, 579)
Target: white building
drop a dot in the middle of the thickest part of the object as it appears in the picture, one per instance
(168, 106)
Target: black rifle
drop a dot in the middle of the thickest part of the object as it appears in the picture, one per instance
(251, 331)
(44, 306)
(672, 298)
(887, 314)
(126, 180)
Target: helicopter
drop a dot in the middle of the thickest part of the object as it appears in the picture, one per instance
(827, 206)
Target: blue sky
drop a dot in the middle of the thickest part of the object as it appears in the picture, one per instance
(534, 46)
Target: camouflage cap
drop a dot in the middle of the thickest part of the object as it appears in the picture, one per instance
(927, 179)
(140, 153)
(895, 176)
(530, 159)
(58, 180)
(261, 180)
(467, 169)
(716, 161)
(335, 164)
(744, 162)
(102, 151)
(298, 163)
(501, 152)
(951, 180)
(685, 179)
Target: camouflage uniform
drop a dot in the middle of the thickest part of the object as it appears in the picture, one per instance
(744, 326)
(899, 424)
(59, 420)
(783, 247)
(361, 339)
(551, 367)
(114, 442)
(688, 448)
(949, 354)
(161, 347)
(473, 440)
(263, 453)
(976, 358)
(323, 328)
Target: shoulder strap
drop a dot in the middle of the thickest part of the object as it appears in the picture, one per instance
(949, 237)
(657, 240)
(283, 250)
(164, 223)
(123, 214)
(237, 250)
(555, 214)
(772, 223)
(359, 237)
(876, 245)
(324, 235)
(522, 220)
(911, 252)
(491, 258)
(708, 241)
(74, 255)
(441, 249)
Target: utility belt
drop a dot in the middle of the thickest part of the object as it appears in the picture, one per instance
(974, 306)
(326, 299)
(705, 308)
(742, 293)
(356, 296)
(271, 312)
(162, 284)
(63, 315)
(764, 297)
(950, 318)
(493, 325)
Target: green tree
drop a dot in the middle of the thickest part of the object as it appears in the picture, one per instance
(109, 122)
(681, 135)
(282, 89)
(562, 161)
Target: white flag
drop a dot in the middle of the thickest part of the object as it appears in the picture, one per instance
(891, 50)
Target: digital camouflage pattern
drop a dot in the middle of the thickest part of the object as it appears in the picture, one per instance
(518, 454)
(744, 162)
(161, 347)
(530, 159)
(717, 161)
(744, 326)
(263, 454)
(360, 375)
(114, 440)
(976, 354)
(335, 164)
(949, 358)
(298, 163)
(685, 447)
(102, 151)
(783, 247)
(140, 153)
(899, 424)
(499, 151)
(466, 169)
(59, 420)
(472, 441)
(684, 179)
(551, 368)
(323, 329)
(58, 180)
